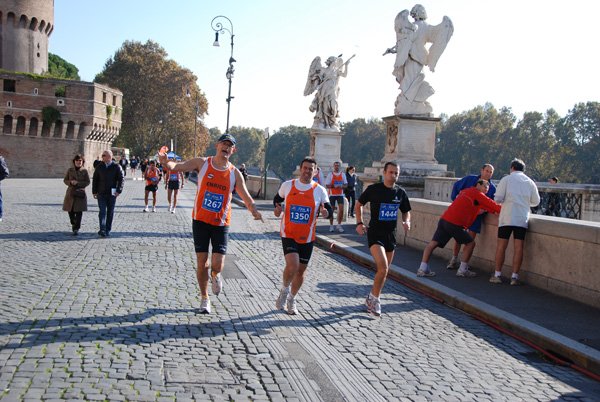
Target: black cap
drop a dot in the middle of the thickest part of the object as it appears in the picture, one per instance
(227, 137)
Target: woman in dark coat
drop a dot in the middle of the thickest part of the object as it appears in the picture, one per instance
(77, 177)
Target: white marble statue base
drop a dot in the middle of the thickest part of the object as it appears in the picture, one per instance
(325, 147)
(410, 142)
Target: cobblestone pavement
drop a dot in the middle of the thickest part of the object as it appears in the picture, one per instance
(90, 318)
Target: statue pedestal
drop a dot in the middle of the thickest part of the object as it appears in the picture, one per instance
(325, 147)
(410, 142)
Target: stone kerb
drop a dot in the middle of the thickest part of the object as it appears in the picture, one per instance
(559, 253)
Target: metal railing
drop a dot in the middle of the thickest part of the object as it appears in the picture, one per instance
(563, 205)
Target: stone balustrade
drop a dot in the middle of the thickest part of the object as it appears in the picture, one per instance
(560, 254)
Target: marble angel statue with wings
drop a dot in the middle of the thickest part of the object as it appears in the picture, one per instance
(324, 80)
(412, 56)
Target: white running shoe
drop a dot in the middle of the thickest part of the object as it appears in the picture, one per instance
(339, 228)
(153, 209)
(426, 272)
(146, 209)
(281, 303)
(466, 273)
(369, 303)
(205, 306)
(173, 210)
(331, 228)
(376, 307)
(291, 305)
(217, 284)
(170, 208)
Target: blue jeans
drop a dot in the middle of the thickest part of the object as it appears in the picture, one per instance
(106, 203)
(1, 209)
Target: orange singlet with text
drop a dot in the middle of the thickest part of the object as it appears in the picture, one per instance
(151, 177)
(337, 179)
(300, 216)
(213, 198)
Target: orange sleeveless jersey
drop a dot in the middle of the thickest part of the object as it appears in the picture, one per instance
(172, 176)
(149, 175)
(300, 216)
(336, 178)
(213, 198)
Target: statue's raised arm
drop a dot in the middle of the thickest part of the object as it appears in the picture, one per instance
(412, 55)
(325, 81)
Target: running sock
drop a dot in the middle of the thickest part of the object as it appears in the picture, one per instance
(423, 266)
(454, 259)
(463, 266)
(498, 273)
(515, 276)
(373, 297)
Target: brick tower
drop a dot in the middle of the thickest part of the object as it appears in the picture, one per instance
(25, 27)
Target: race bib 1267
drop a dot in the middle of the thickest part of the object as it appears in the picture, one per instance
(212, 202)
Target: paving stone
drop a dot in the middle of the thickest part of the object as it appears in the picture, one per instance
(116, 319)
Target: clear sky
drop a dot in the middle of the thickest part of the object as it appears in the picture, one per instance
(530, 55)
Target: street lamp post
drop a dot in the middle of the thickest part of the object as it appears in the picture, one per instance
(218, 28)
(266, 136)
(196, 108)
(174, 146)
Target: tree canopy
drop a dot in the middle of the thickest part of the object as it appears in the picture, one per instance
(60, 68)
(159, 100)
(549, 145)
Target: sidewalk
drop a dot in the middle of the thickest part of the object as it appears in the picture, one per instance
(567, 329)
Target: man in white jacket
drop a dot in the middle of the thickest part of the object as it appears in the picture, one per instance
(518, 194)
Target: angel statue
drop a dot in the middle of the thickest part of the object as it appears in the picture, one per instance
(412, 56)
(324, 80)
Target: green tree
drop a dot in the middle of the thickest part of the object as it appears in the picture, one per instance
(363, 142)
(286, 149)
(467, 140)
(249, 145)
(155, 106)
(60, 68)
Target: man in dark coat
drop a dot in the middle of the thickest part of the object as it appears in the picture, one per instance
(107, 185)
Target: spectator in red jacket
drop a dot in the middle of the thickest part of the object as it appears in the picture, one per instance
(454, 224)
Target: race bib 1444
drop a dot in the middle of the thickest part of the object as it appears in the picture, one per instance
(388, 212)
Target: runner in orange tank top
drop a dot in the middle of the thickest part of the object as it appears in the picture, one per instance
(303, 199)
(336, 183)
(217, 178)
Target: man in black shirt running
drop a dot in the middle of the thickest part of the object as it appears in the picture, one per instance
(385, 199)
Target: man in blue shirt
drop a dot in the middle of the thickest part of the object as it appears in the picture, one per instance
(469, 181)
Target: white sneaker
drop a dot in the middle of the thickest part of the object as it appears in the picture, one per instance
(331, 228)
(173, 210)
(205, 306)
(146, 209)
(340, 228)
(426, 272)
(170, 208)
(217, 284)
(291, 305)
(281, 302)
(376, 307)
(466, 273)
(153, 209)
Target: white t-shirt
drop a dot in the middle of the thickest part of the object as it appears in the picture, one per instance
(518, 194)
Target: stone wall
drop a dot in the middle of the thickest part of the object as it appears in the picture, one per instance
(559, 256)
(37, 148)
(25, 27)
